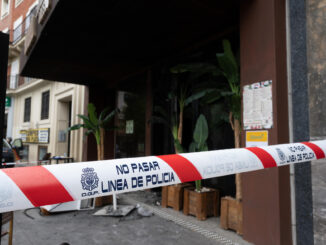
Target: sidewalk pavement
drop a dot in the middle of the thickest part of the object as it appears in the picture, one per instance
(165, 226)
(318, 173)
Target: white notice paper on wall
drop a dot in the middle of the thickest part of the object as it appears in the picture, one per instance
(258, 105)
(129, 126)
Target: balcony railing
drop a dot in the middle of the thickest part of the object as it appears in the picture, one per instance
(15, 81)
(20, 31)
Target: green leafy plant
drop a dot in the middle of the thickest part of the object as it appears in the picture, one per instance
(96, 125)
(231, 71)
(199, 143)
(212, 90)
(180, 97)
(200, 137)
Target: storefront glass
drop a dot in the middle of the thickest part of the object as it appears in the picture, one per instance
(130, 135)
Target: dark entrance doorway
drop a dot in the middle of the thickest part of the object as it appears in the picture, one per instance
(130, 135)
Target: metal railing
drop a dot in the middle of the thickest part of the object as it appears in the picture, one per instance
(20, 31)
(15, 81)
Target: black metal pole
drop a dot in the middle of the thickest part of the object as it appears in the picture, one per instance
(4, 51)
(300, 127)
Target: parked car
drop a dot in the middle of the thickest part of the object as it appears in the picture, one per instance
(8, 156)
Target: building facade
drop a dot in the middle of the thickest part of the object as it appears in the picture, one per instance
(37, 110)
(271, 36)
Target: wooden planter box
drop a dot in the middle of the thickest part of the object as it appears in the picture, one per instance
(201, 204)
(102, 201)
(172, 196)
(8, 217)
(231, 214)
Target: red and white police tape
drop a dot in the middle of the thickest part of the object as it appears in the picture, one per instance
(27, 187)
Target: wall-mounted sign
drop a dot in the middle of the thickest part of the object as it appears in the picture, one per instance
(8, 101)
(256, 138)
(62, 136)
(43, 135)
(40, 135)
(258, 105)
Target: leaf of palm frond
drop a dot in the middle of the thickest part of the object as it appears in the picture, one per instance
(212, 96)
(227, 93)
(87, 122)
(228, 67)
(197, 96)
(178, 146)
(200, 134)
(88, 132)
(228, 52)
(103, 113)
(75, 127)
(192, 147)
(92, 114)
(109, 117)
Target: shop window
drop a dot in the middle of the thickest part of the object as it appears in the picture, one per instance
(27, 109)
(42, 150)
(45, 105)
(130, 137)
(4, 8)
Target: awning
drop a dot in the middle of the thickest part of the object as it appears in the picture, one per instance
(104, 41)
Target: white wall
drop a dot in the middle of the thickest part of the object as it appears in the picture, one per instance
(60, 93)
(14, 71)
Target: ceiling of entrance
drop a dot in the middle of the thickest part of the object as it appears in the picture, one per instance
(104, 41)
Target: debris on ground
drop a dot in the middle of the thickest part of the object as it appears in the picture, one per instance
(143, 211)
(147, 197)
(122, 210)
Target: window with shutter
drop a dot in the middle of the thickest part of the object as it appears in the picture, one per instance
(27, 109)
(45, 105)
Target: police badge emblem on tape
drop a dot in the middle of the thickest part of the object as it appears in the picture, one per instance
(281, 155)
(27, 187)
(89, 179)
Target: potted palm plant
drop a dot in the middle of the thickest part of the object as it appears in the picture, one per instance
(200, 201)
(181, 96)
(231, 209)
(97, 125)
